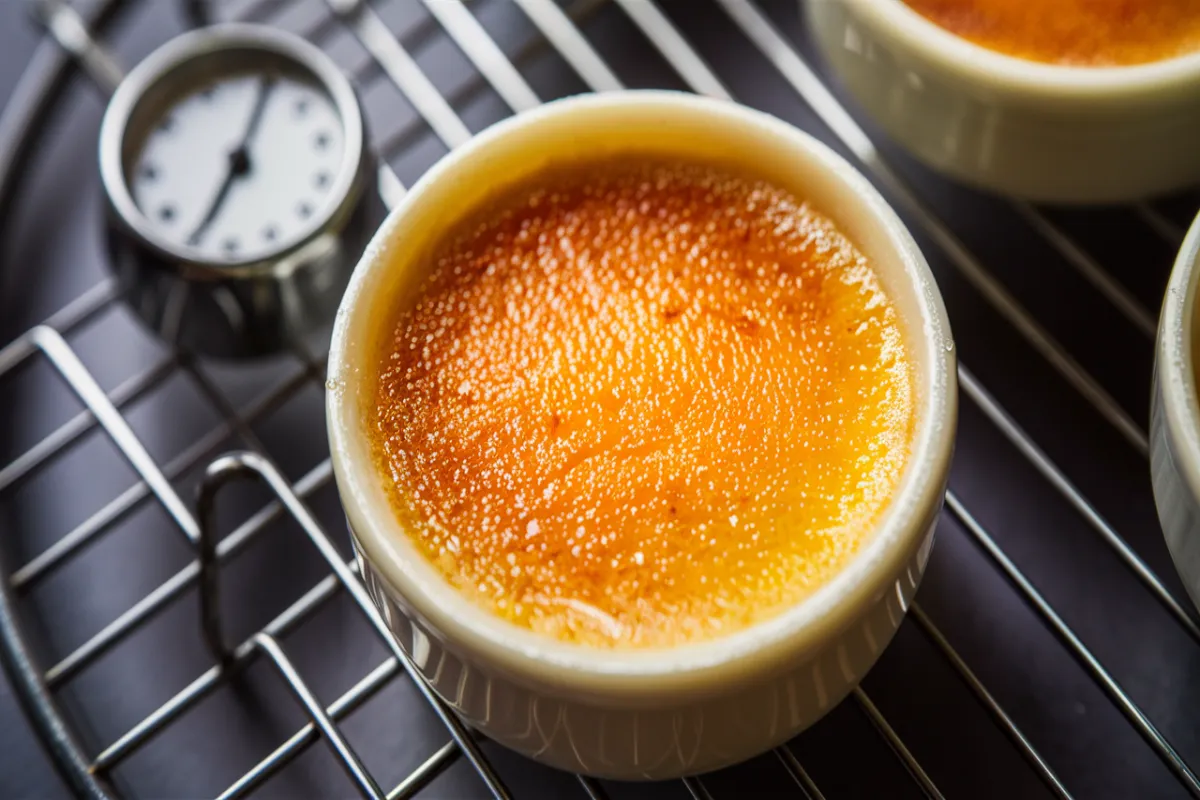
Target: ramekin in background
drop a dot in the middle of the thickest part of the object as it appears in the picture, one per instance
(1038, 131)
(1175, 417)
(642, 713)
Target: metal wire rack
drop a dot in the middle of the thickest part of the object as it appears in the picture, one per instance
(1061, 661)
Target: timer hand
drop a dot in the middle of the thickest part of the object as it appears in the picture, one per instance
(239, 159)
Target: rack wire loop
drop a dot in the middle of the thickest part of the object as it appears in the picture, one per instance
(255, 465)
(216, 475)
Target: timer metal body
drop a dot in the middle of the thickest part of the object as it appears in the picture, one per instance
(240, 189)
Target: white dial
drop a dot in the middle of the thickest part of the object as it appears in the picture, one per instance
(242, 168)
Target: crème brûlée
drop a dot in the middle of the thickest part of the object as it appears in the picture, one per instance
(641, 402)
(1086, 33)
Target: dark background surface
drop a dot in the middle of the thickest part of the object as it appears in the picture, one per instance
(51, 252)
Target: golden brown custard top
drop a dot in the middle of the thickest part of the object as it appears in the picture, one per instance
(1089, 33)
(643, 402)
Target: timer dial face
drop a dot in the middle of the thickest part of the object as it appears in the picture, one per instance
(241, 168)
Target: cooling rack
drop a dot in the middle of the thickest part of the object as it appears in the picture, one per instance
(1050, 652)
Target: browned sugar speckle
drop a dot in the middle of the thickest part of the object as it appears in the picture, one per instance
(643, 403)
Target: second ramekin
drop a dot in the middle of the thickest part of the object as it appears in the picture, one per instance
(1037, 131)
(1175, 417)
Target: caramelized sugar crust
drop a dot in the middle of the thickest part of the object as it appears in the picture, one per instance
(1090, 33)
(641, 402)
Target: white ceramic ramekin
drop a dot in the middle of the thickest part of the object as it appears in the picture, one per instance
(1038, 131)
(645, 713)
(1175, 417)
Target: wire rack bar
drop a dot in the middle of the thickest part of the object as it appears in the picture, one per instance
(1056, 478)
(259, 11)
(86, 307)
(354, 697)
(79, 311)
(76, 313)
(897, 744)
(561, 32)
(403, 71)
(577, 12)
(800, 775)
(492, 64)
(592, 788)
(423, 775)
(1003, 720)
(70, 30)
(39, 455)
(228, 413)
(1170, 233)
(1078, 649)
(158, 600)
(211, 679)
(669, 42)
(697, 789)
(52, 345)
(1121, 298)
(346, 755)
(484, 53)
(71, 544)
